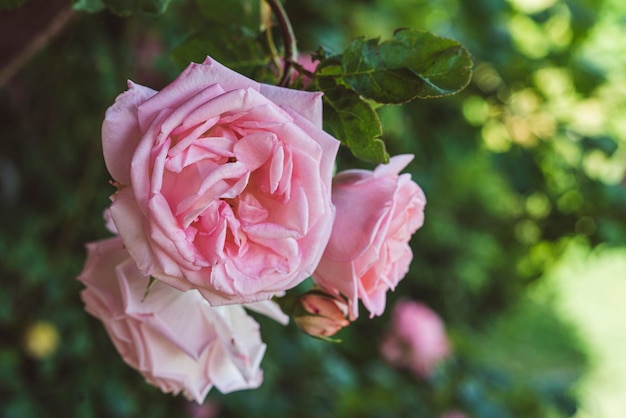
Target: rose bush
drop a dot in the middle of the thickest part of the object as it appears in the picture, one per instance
(368, 252)
(223, 183)
(174, 339)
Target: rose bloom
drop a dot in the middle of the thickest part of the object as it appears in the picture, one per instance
(175, 339)
(223, 183)
(368, 252)
(417, 338)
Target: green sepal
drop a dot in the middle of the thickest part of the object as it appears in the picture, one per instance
(151, 282)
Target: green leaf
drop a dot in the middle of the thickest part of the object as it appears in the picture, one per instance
(351, 119)
(414, 64)
(122, 7)
(236, 48)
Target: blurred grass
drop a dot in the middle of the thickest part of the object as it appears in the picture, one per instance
(589, 288)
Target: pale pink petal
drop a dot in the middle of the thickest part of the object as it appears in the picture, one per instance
(129, 221)
(194, 79)
(396, 164)
(361, 208)
(307, 104)
(121, 133)
(269, 309)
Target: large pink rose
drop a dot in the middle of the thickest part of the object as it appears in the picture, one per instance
(175, 339)
(224, 183)
(368, 252)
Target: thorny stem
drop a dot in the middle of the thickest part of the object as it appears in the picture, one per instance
(289, 39)
(266, 22)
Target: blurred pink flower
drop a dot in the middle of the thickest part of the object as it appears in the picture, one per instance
(206, 410)
(174, 339)
(417, 339)
(368, 252)
(453, 414)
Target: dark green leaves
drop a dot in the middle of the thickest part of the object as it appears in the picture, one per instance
(412, 65)
(236, 48)
(348, 117)
(240, 12)
(122, 7)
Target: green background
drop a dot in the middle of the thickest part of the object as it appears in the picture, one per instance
(523, 173)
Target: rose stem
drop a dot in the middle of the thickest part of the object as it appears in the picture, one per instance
(289, 38)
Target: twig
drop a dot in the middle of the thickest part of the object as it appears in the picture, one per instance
(289, 39)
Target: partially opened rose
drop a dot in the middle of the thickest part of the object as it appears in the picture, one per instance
(368, 252)
(224, 183)
(174, 339)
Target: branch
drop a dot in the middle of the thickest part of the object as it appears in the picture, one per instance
(289, 39)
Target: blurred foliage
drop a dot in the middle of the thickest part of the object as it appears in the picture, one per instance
(527, 158)
(122, 7)
(11, 4)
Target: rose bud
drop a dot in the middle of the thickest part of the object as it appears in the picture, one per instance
(322, 315)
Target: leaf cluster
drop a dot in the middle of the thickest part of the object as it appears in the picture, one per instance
(369, 73)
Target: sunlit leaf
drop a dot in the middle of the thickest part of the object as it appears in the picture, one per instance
(412, 65)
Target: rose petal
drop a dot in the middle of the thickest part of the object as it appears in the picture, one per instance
(120, 131)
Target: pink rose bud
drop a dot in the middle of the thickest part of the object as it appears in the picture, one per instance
(323, 315)
(224, 183)
(368, 252)
(417, 339)
(174, 339)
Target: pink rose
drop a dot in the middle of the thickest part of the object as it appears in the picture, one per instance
(368, 252)
(224, 183)
(174, 339)
(417, 339)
